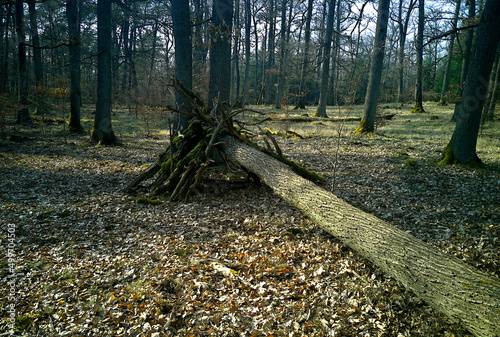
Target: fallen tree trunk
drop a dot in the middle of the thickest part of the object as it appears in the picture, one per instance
(446, 283)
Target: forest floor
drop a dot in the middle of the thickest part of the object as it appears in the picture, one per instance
(234, 260)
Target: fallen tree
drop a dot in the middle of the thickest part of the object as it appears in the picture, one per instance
(446, 283)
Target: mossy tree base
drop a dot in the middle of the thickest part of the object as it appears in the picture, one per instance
(418, 108)
(449, 158)
(364, 127)
(180, 167)
(100, 137)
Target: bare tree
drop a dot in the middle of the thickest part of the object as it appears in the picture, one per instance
(466, 52)
(325, 70)
(74, 124)
(23, 113)
(420, 64)
(367, 123)
(102, 132)
(462, 146)
(403, 31)
(446, 78)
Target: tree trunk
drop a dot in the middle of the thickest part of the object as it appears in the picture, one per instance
(4, 66)
(491, 87)
(198, 43)
(494, 95)
(306, 60)
(220, 51)
(462, 146)
(446, 283)
(23, 113)
(74, 66)
(325, 70)
(268, 82)
(235, 68)
(466, 55)
(367, 123)
(246, 81)
(446, 77)
(102, 132)
(420, 64)
(183, 58)
(37, 58)
(283, 46)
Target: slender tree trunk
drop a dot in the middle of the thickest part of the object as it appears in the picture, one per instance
(466, 54)
(462, 146)
(102, 132)
(446, 78)
(491, 87)
(37, 53)
(367, 123)
(220, 51)
(183, 57)
(336, 44)
(198, 43)
(23, 113)
(4, 65)
(236, 49)
(74, 66)
(257, 88)
(494, 95)
(323, 90)
(403, 30)
(306, 54)
(446, 283)
(153, 51)
(283, 45)
(270, 58)
(420, 64)
(248, 22)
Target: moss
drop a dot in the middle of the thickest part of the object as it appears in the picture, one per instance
(364, 127)
(64, 213)
(146, 201)
(418, 108)
(411, 162)
(448, 158)
(23, 323)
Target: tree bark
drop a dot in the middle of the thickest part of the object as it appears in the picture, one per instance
(446, 283)
(494, 95)
(248, 22)
(102, 132)
(446, 78)
(325, 70)
(183, 58)
(462, 146)
(305, 52)
(283, 46)
(367, 123)
(235, 68)
(268, 81)
(74, 124)
(420, 64)
(466, 54)
(220, 51)
(23, 113)
(35, 40)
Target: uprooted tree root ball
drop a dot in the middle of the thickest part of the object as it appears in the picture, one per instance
(180, 167)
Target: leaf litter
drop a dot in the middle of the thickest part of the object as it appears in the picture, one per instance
(232, 261)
